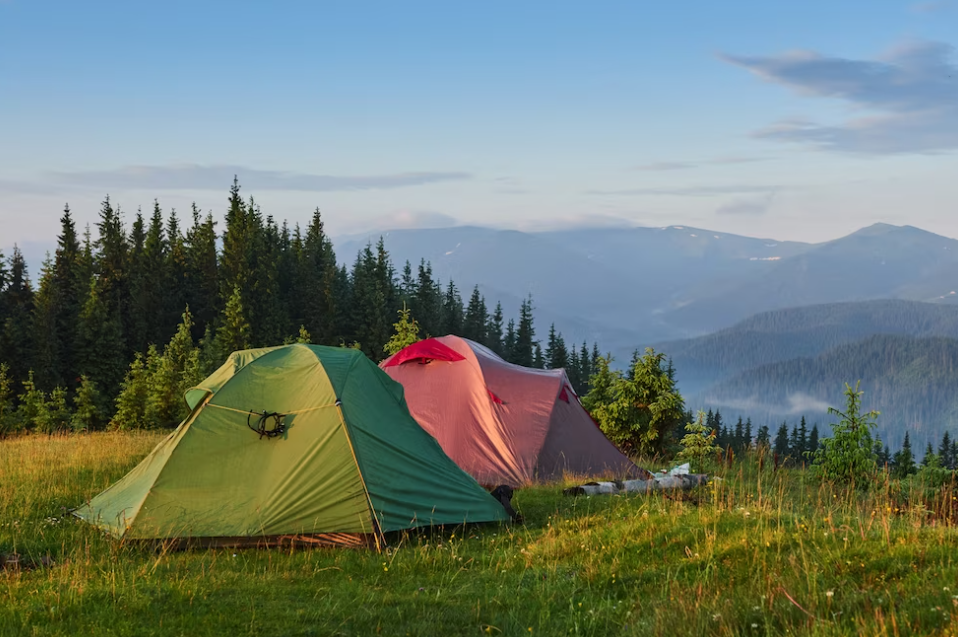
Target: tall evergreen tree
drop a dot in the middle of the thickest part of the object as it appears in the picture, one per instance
(100, 347)
(475, 323)
(903, 464)
(813, 440)
(57, 310)
(509, 343)
(452, 310)
(585, 363)
(16, 299)
(803, 437)
(748, 433)
(781, 446)
(739, 436)
(930, 458)
(427, 306)
(317, 264)
(523, 351)
(944, 452)
(234, 331)
(494, 332)
(113, 281)
(201, 284)
(763, 439)
(795, 449)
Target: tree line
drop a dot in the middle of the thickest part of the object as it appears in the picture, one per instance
(120, 322)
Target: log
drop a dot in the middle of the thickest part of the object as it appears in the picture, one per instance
(667, 483)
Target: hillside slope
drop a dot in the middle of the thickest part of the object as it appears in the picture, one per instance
(808, 331)
(913, 382)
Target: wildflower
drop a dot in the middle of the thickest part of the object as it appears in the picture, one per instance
(754, 626)
(829, 594)
(716, 617)
(946, 589)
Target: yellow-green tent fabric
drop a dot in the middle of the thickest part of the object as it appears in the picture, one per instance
(351, 463)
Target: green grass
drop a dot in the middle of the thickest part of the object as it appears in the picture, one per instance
(759, 553)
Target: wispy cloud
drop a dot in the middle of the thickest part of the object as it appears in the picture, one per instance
(910, 95)
(690, 191)
(218, 177)
(685, 165)
(750, 206)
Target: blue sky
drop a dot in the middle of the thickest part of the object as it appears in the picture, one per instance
(804, 121)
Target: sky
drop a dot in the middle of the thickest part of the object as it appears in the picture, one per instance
(801, 121)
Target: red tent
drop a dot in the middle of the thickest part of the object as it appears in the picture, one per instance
(502, 423)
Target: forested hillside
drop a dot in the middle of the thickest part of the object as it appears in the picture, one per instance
(913, 382)
(782, 335)
(176, 301)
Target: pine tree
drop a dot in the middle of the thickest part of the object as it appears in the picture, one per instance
(426, 302)
(795, 449)
(89, 410)
(538, 360)
(452, 311)
(883, 458)
(57, 310)
(494, 334)
(930, 457)
(748, 433)
(585, 364)
(944, 452)
(574, 370)
(16, 299)
(509, 343)
(813, 440)
(175, 371)
(202, 272)
(234, 332)
(698, 444)
(781, 441)
(523, 350)
(739, 436)
(405, 332)
(903, 463)
(763, 439)
(113, 284)
(475, 324)
(100, 346)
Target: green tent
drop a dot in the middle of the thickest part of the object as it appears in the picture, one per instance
(349, 464)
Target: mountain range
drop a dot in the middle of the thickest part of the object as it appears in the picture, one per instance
(755, 327)
(630, 287)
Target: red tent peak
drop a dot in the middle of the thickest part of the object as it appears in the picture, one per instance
(430, 349)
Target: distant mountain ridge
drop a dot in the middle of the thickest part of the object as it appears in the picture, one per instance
(630, 287)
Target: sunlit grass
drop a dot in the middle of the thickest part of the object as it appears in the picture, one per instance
(759, 552)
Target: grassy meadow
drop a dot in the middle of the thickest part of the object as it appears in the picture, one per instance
(758, 553)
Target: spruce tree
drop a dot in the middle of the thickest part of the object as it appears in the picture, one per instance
(781, 446)
(795, 449)
(405, 332)
(903, 463)
(585, 364)
(494, 332)
(883, 458)
(739, 436)
(113, 284)
(803, 437)
(574, 370)
(452, 311)
(930, 458)
(100, 345)
(813, 440)
(202, 272)
(748, 433)
(16, 338)
(538, 360)
(89, 407)
(944, 452)
(234, 331)
(763, 439)
(509, 343)
(475, 323)
(523, 350)
(426, 304)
